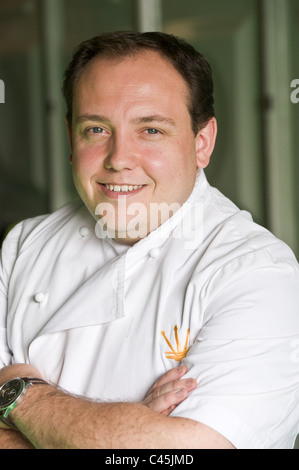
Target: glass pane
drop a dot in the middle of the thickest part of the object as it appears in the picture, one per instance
(227, 33)
(25, 62)
(87, 18)
(294, 41)
(23, 189)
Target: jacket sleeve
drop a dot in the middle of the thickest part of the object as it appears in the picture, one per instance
(244, 358)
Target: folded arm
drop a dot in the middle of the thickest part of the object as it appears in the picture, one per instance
(51, 418)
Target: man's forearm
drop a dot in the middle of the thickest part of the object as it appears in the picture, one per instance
(10, 439)
(50, 418)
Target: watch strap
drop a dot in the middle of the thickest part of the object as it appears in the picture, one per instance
(34, 380)
(8, 422)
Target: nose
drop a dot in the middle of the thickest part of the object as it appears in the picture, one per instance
(122, 153)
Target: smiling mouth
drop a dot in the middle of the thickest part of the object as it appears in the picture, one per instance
(120, 190)
(124, 188)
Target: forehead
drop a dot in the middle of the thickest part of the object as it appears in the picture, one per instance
(144, 75)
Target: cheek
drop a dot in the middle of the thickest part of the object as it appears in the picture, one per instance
(159, 160)
(85, 161)
(170, 161)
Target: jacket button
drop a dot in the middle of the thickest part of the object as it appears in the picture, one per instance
(84, 231)
(39, 297)
(155, 252)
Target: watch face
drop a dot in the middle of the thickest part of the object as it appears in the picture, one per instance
(10, 392)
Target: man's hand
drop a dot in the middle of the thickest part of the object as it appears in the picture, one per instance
(169, 390)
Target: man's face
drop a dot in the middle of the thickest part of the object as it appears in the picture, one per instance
(133, 147)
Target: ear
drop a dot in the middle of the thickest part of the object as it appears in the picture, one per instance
(69, 131)
(205, 143)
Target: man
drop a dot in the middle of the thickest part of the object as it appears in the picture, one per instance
(101, 301)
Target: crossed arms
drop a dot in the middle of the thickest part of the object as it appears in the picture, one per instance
(51, 418)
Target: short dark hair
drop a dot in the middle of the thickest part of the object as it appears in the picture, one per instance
(191, 65)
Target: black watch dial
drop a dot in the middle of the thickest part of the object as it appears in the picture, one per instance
(10, 392)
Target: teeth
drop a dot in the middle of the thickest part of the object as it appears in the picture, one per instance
(124, 188)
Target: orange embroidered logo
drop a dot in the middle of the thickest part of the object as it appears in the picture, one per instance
(180, 353)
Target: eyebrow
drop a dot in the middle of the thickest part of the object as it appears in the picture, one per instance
(91, 117)
(155, 118)
(138, 120)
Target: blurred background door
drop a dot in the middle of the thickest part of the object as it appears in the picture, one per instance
(252, 47)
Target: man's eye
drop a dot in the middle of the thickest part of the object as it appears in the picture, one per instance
(152, 131)
(96, 130)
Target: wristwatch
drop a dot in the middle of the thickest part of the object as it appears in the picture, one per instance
(12, 393)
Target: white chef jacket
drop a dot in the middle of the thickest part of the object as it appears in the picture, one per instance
(104, 320)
